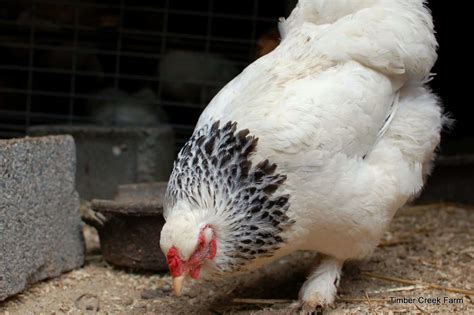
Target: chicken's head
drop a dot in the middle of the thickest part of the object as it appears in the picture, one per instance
(188, 247)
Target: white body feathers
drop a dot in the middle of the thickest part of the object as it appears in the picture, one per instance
(318, 102)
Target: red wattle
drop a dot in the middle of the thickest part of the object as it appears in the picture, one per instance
(175, 263)
(195, 272)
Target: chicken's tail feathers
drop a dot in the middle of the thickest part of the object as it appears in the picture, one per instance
(417, 125)
(395, 37)
(319, 12)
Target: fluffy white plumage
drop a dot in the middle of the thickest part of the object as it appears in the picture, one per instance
(344, 71)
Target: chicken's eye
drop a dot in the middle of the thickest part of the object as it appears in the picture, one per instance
(201, 242)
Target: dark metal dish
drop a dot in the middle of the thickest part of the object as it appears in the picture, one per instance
(129, 226)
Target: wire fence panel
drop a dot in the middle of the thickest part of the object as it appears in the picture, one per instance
(69, 61)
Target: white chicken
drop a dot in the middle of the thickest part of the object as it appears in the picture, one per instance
(346, 132)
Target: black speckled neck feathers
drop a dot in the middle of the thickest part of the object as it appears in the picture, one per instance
(213, 171)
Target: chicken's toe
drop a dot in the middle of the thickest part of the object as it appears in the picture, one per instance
(304, 308)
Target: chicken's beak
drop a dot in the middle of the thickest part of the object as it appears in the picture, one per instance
(178, 285)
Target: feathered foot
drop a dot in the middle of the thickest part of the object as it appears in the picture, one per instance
(320, 288)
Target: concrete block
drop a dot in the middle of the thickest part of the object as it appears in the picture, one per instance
(111, 156)
(40, 225)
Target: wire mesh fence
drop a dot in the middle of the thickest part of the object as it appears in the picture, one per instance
(124, 62)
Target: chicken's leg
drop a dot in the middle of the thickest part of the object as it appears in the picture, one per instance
(320, 288)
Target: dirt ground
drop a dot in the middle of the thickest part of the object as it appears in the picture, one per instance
(431, 244)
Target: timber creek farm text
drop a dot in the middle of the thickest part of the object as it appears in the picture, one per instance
(426, 300)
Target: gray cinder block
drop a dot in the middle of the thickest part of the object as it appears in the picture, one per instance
(111, 156)
(40, 225)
